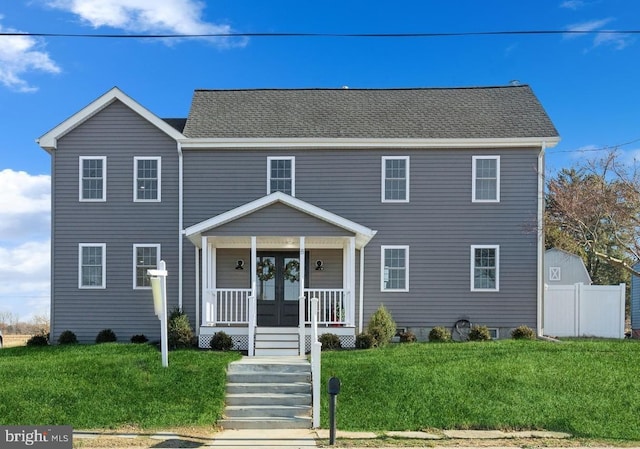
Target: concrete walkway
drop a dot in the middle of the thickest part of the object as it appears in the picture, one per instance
(263, 439)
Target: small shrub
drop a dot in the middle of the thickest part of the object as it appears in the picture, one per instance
(365, 341)
(67, 338)
(180, 334)
(439, 334)
(141, 338)
(38, 340)
(329, 342)
(381, 326)
(523, 333)
(479, 333)
(221, 342)
(408, 337)
(106, 336)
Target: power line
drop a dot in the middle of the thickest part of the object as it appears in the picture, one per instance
(605, 148)
(322, 35)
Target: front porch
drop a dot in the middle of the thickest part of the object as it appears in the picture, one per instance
(279, 299)
(260, 264)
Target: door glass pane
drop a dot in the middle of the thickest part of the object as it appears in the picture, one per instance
(266, 271)
(291, 275)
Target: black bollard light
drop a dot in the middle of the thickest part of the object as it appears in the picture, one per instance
(333, 390)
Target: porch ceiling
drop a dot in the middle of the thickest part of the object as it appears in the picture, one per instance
(278, 242)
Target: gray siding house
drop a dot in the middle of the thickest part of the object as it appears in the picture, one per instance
(424, 200)
(635, 303)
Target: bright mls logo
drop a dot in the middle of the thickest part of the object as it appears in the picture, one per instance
(36, 437)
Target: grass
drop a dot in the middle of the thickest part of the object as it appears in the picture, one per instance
(587, 388)
(111, 386)
(590, 389)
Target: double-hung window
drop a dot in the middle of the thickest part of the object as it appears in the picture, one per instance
(145, 257)
(93, 178)
(486, 179)
(395, 179)
(281, 175)
(92, 263)
(395, 268)
(146, 179)
(485, 267)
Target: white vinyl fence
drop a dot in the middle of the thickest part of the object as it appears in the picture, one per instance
(584, 310)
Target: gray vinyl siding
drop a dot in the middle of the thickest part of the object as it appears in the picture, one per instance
(119, 134)
(439, 224)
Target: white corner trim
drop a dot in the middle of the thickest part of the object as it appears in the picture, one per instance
(49, 141)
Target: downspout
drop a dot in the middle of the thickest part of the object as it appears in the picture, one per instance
(361, 292)
(540, 236)
(180, 230)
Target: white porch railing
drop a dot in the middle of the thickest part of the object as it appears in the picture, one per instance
(332, 306)
(231, 306)
(227, 306)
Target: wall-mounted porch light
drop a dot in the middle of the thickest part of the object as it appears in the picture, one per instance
(240, 264)
(319, 265)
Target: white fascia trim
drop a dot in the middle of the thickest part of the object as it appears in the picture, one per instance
(365, 143)
(365, 234)
(49, 141)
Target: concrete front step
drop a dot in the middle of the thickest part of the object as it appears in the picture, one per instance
(287, 399)
(277, 411)
(275, 388)
(287, 378)
(277, 344)
(268, 392)
(264, 422)
(285, 352)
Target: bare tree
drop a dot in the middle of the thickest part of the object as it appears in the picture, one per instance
(594, 210)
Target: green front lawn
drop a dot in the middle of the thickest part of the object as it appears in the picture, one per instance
(111, 386)
(590, 389)
(587, 388)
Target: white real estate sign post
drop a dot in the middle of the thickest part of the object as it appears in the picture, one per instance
(159, 290)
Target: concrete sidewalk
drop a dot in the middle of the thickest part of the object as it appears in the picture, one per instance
(307, 438)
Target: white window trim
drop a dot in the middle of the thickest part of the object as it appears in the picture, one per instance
(383, 248)
(104, 179)
(293, 172)
(473, 254)
(135, 179)
(135, 265)
(104, 266)
(473, 179)
(384, 178)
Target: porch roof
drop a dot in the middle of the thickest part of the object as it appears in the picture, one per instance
(362, 233)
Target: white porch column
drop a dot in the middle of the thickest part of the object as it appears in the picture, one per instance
(301, 303)
(349, 279)
(253, 308)
(205, 278)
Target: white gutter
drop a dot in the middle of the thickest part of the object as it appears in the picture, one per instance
(180, 220)
(540, 246)
(365, 143)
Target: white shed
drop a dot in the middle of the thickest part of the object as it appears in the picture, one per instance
(564, 268)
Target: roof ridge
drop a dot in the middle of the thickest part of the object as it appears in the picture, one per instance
(346, 88)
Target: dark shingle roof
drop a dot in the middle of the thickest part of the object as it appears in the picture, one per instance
(177, 123)
(472, 112)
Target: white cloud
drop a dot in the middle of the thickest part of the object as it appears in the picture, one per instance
(572, 4)
(20, 55)
(591, 25)
(25, 205)
(601, 37)
(24, 243)
(146, 16)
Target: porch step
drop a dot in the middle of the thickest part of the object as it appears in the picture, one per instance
(276, 341)
(268, 393)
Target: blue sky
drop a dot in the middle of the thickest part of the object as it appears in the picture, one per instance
(587, 83)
